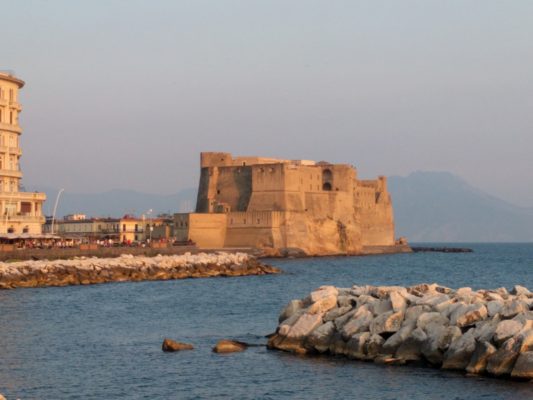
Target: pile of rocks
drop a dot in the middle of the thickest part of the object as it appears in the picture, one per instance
(83, 271)
(483, 331)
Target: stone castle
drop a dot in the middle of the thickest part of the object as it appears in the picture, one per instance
(284, 206)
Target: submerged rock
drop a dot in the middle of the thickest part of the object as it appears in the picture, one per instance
(170, 345)
(229, 346)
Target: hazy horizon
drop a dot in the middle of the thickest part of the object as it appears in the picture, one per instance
(125, 94)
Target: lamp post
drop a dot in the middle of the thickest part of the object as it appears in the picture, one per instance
(7, 210)
(149, 224)
(55, 209)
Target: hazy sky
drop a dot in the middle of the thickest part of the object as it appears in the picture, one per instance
(125, 94)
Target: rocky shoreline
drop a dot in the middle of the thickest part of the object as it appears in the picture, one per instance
(84, 271)
(480, 332)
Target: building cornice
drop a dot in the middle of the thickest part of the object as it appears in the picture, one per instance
(8, 77)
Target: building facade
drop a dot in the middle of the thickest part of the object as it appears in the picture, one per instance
(316, 208)
(21, 211)
(128, 229)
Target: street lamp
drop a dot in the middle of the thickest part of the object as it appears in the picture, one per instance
(149, 223)
(55, 209)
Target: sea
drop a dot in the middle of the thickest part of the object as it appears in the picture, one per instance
(104, 341)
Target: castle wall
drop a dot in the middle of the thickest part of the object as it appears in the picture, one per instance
(375, 209)
(208, 231)
(291, 230)
(268, 188)
(319, 208)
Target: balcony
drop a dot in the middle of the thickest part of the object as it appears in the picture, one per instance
(140, 230)
(23, 218)
(11, 173)
(11, 150)
(10, 128)
(15, 105)
(13, 197)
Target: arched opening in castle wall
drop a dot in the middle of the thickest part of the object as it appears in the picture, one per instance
(327, 179)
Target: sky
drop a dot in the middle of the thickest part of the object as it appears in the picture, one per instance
(126, 94)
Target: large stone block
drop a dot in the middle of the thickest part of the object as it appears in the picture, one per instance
(360, 322)
(480, 357)
(503, 360)
(388, 322)
(523, 368)
(355, 348)
(460, 351)
(506, 329)
(320, 338)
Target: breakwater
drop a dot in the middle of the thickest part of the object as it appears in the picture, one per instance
(83, 270)
(441, 250)
(481, 332)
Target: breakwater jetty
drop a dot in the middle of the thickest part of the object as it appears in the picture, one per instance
(84, 271)
(480, 332)
(441, 250)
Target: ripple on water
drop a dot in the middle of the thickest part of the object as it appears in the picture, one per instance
(104, 341)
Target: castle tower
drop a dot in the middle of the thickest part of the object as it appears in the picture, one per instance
(21, 212)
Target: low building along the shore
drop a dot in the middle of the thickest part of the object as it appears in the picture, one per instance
(127, 229)
(21, 211)
(282, 206)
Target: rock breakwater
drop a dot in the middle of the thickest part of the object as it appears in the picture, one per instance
(83, 271)
(480, 332)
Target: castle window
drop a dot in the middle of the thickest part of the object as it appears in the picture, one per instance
(327, 179)
(244, 222)
(26, 229)
(258, 221)
(218, 191)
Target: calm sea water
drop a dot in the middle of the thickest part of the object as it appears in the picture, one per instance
(104, 341)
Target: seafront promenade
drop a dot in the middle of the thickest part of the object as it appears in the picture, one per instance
(127, 267)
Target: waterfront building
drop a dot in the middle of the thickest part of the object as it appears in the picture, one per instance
(85, 229)
(127, 229)
(21, 211)
(284, 206)
(133, 229)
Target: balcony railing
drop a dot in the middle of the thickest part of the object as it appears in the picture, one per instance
(22, 217)
(9, 127)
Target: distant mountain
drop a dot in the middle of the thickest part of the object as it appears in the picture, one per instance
(441, 207)
(428, 207)
(117, 202)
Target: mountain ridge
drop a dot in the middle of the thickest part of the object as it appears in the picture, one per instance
(429, 206)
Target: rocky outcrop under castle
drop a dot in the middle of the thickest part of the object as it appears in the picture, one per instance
(83, 271)
(480, 332)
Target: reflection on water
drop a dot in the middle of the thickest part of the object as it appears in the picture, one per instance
(103, 341)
